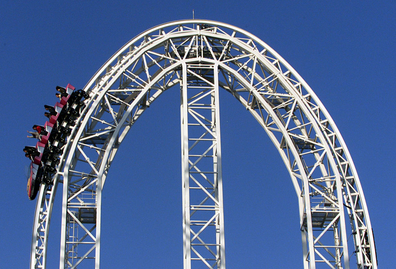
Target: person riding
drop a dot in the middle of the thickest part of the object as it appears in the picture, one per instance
(50, 109)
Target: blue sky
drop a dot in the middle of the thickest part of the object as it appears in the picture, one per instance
(345, 50)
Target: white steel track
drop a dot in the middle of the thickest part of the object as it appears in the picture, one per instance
(202, 57)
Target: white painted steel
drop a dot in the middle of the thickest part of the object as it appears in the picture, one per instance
(205, 56)
(203, 227)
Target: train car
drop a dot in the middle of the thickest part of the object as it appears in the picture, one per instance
(57, 128)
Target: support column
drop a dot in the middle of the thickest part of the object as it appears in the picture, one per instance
(203, 216)
(185, 171)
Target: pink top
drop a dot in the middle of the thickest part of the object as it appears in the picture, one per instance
(48, 126)
(58, 107)
(69, 89)
(40, 147)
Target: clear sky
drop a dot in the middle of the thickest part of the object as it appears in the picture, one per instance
(345, 50)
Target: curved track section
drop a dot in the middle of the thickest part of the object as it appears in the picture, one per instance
(205, 56)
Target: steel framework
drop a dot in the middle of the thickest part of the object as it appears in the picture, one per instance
(203, 57)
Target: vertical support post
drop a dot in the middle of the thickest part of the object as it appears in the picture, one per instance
(344, 240)
(309, 231)
(185, 170)
(218, 172)
(99, 188)
(305, 248)
(203, 216)
(63, 253)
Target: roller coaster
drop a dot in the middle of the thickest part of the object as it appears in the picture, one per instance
(85, 129)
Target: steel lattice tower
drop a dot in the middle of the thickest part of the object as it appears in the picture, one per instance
(201, 58)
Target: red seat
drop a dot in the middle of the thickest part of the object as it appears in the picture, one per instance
(44, 139)
(37, 159)
(63, 101)
(53, 119)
